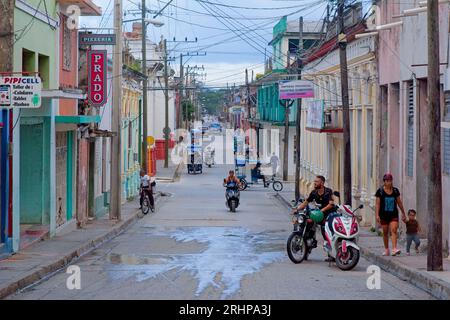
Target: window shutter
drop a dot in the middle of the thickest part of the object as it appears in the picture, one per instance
(410, 146)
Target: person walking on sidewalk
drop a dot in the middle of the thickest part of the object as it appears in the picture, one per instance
(274, 163)
(386, 209)
(412, 231)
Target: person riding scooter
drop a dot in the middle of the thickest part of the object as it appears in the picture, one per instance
(231, 178)
(323, 196)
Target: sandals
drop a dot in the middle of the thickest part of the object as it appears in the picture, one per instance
(386, 253)
(396, 252)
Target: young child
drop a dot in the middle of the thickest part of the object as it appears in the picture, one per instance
(412, 230)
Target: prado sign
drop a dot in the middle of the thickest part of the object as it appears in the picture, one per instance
(20, 92)
(97, 94)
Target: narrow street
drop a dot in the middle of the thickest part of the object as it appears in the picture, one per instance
(194, 248)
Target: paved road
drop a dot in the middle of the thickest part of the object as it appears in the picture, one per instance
(193, 248)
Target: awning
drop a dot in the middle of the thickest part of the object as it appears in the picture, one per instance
(77, 119)
(326, 130)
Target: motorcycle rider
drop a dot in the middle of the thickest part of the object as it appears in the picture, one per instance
(323, 196)
(232, 178)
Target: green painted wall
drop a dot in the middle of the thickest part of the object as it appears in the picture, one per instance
(34, 171)
(269, 106)
(38, 37)
(31, 195)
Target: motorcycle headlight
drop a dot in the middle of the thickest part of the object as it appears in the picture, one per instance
(301, 219)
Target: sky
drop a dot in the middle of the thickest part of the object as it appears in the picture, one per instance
(233, 33)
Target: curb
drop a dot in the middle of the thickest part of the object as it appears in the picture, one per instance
(436, 287)
(45, 271)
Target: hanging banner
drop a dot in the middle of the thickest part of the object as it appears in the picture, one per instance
(295, 89)
(20, 92)
(97, 72)
(315, 116)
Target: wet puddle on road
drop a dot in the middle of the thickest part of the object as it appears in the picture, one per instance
(230, 254)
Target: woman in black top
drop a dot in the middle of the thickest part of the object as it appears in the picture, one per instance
(388, 198)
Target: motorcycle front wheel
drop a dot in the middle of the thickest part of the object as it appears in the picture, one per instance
(233, 206)
(349, 260)
(296, 248)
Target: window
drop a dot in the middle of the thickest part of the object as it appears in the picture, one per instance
(446, 148)
(410, 129)
(447, 106)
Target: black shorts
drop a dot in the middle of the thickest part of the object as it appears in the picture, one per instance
(386, 220)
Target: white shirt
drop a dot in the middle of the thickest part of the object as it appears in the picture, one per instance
(145, 181)
(274, 160)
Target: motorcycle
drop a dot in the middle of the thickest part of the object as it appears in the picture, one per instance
(232, 195)
(342, 233)
(303, 238)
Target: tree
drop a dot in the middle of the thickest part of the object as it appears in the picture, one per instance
(188, 107)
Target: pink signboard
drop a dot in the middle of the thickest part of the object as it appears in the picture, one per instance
(295, 89)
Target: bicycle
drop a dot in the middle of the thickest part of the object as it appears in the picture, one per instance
(277, 185)
(146, 206)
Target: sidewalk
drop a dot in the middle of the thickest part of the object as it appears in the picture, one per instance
(408, 268)
(44, 258)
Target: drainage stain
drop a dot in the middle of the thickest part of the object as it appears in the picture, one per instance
(230, 254)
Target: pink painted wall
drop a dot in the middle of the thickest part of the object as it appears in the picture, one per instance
(388, 43)
(68, 78)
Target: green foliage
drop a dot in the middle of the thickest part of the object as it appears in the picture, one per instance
(212, 100)
(188, 108)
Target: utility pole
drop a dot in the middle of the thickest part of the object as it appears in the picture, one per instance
(286, 141)
(345, 106)
(166, 127)
(299, 112)
(144, 89)
(286, 104)
(433, 123)
(180, 111)
(116, 194)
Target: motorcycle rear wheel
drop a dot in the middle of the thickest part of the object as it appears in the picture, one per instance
(350, 262)
(296, 248)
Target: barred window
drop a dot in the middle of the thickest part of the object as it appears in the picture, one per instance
(410, 128)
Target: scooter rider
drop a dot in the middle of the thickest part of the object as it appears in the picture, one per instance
(323, 196)
(232, 178)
